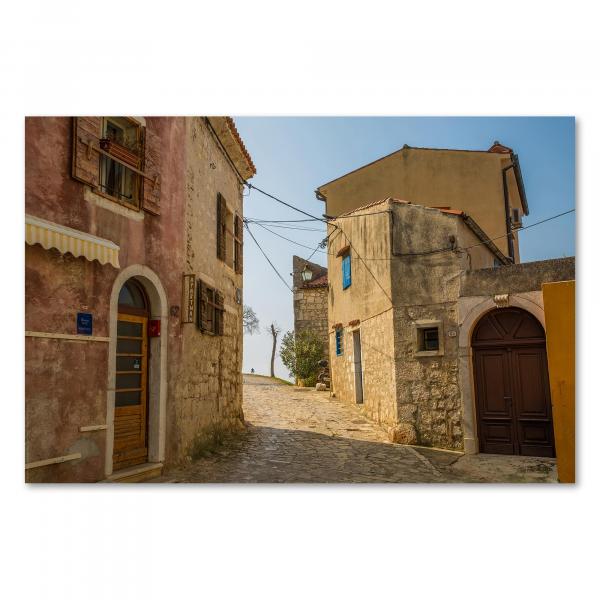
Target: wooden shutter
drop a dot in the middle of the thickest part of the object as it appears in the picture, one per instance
(238, 232)
(151, 180)
(221, 227)
(201, 305)
(86, 161)
(219, 312)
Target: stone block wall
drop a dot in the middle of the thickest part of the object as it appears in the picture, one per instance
(310, 313)
(379, 385)
(427, 387)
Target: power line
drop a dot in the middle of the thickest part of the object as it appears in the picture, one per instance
(285, 238)
(268, 260)
(260, 222)
(366, 266)
(522, 228)
(460, 248)
(253, 187)
(322, 244)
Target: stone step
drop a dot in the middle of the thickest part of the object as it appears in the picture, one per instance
(136, 474)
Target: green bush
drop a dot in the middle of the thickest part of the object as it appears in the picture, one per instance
(301, 355)
(206, 442)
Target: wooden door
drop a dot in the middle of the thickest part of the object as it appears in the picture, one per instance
(131, 398)
(514, 411)
(358, 378)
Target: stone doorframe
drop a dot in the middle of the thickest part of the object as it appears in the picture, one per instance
(157, 368)
(470, 311)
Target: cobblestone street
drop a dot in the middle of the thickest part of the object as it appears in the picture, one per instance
(298, 435)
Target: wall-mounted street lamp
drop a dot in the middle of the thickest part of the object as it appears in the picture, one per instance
(306, 274)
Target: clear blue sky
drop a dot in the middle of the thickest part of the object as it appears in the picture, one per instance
(293, 156)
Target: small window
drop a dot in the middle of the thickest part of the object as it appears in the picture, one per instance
(429, 339)
(121, 139)
(210, 310)
(346, 272)
(339, 342)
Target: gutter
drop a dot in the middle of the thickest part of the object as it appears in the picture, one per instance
(509, 234)
(520, 185)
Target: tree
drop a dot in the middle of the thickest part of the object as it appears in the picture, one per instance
(250, 320)
(274, 330)
(301, 354)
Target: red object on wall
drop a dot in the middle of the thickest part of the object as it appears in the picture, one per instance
(154, 328)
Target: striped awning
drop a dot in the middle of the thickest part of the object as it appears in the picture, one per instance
(65, 239)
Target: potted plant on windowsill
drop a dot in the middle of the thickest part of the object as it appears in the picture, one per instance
(127, 155)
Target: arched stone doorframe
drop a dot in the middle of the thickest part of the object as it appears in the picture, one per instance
(472, 309)
(157, 372)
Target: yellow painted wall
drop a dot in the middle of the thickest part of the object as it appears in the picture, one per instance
(468, 181)
(559, 308)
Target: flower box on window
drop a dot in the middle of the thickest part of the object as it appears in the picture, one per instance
(121, 152)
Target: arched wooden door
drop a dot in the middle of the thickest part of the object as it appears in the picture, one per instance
(514, 412)
(131, 389)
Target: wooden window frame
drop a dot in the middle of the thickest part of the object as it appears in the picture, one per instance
(137, 172)
(347, 257)
(238, 244)
(213, 304)
(420, 327)
(339, 342)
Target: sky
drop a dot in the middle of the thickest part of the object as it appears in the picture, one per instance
(295, 155)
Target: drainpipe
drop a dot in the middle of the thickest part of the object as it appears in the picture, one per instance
(509, 235)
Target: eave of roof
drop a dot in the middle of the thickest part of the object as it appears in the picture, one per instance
(496, 148)
(322, 281)
(225, 129)
(469, 222)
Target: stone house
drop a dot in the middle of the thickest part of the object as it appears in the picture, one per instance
(133, 292)
(487, 185)
(310, 300)
(435, 333)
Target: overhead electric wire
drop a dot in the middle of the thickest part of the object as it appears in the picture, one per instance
(253, 187)
(460, 248)
(268, 260)
(261, 222)
(287, 239)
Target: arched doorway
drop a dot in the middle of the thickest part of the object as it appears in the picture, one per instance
(514, 412)
(130, 446)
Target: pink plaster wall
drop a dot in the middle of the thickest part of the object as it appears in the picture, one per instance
(66, 381)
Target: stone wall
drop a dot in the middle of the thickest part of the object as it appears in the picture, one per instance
(378, 375)
(523, 277)
(208, 389)
(310, 313)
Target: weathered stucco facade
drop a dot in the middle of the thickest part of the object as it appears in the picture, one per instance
(417, 271)
(310, 300)
(193, 378)
(466, 180)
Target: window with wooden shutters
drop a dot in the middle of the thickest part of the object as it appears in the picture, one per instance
(210, 309)
(151, 183)
(86, 161)
(221, 228)
(119, 159)
(238, 245)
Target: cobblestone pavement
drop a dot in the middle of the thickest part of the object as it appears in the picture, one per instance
(298, 435)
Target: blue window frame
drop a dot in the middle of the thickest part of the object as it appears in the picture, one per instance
(346, 272)
(339, 342)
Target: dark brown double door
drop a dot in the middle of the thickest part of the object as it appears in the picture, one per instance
(514, 411)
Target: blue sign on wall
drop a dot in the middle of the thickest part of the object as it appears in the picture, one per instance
(84, 323)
